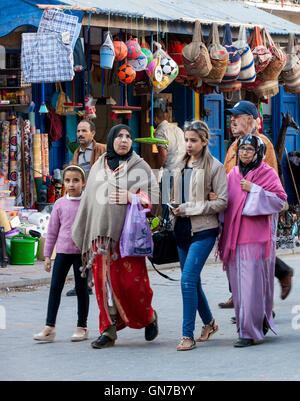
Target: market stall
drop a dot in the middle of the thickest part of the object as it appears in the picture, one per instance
(116, 66)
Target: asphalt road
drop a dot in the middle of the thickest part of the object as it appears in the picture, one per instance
(132, 358)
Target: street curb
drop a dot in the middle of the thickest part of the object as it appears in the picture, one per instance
(39, 281)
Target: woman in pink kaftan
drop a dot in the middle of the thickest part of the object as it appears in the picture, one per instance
(247, 243)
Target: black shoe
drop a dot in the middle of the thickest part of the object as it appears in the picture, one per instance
(151, 331)
(233, 320)
(243, 342)
(102, 342)
(265, 326)
(71, 293)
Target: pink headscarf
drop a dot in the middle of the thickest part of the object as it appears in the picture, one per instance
(240, 229)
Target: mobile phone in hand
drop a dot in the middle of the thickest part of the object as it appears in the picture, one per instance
(174, 206)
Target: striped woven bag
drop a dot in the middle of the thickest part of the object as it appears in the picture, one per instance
(247, 73)
(234, 64)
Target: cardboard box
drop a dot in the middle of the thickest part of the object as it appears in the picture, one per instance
(41, 253)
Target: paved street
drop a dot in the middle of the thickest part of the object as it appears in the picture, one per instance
(134, 359)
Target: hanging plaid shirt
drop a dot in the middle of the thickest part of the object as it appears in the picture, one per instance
(57, 21)
(46, 58)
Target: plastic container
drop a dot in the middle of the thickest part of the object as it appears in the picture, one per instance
(22, 249)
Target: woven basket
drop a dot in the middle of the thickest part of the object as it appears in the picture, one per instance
(261, 55)
(291, 72)
(230, 87)
(267, 89)
(278, 61)
(218, 56)
(195, 55)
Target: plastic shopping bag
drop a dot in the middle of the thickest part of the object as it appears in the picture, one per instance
(136, 238)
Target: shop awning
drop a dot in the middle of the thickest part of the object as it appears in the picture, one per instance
(16, 13)
(221, 11)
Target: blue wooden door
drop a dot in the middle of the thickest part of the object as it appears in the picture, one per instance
(284, 102)
(212, 107)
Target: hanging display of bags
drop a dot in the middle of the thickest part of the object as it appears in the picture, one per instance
(277, 62)
(247, 73)
(195, 55)
(291, 72)
(218, 56)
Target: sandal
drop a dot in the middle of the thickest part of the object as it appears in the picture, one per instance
(186, 343)
(207, 331)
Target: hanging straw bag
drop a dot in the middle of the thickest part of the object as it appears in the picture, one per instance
(195, 55)
(218, 56)
(277, 62)
(291, 72)
(267, 89)
(261, 54)
(247, 73)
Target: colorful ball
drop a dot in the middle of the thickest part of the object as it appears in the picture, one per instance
(120, 50)
(148, 54)
(126, 74)
(133, 48)
(139, 63)
(169, 67)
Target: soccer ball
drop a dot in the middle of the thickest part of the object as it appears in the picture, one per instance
(139, 63)
(161, 85)
(120, 50)
(126, 74)
(169, 67)
(133, 48)
(148, 54)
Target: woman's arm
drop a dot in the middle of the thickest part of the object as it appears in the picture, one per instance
(53, 230)
(219, 187)
(262, 202)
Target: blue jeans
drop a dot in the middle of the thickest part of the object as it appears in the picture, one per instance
(192, 259)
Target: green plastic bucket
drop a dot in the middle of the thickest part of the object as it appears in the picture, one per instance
(22, 249)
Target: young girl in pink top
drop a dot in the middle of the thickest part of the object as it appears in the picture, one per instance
(67, 254)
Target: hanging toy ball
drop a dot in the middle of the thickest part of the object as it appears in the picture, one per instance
(133, 48)
(148, 54)
(126, 74)
(161, 85)
(120, 50)
(139, 63)
(169, 67)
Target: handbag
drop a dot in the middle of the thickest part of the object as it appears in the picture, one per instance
(55, 20)
(165, 246)
(195, 55)
(267, 89)
(247, 73)
(218, 56)
(277, 62)
(136, 238)
(291, 72)
(234, 63)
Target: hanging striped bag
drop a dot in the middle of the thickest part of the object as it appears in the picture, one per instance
(247, 73)
(233, 67)
(291, 72)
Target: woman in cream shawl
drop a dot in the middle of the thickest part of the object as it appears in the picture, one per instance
(122, 285)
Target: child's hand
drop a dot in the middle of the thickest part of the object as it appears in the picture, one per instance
(47, 264)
